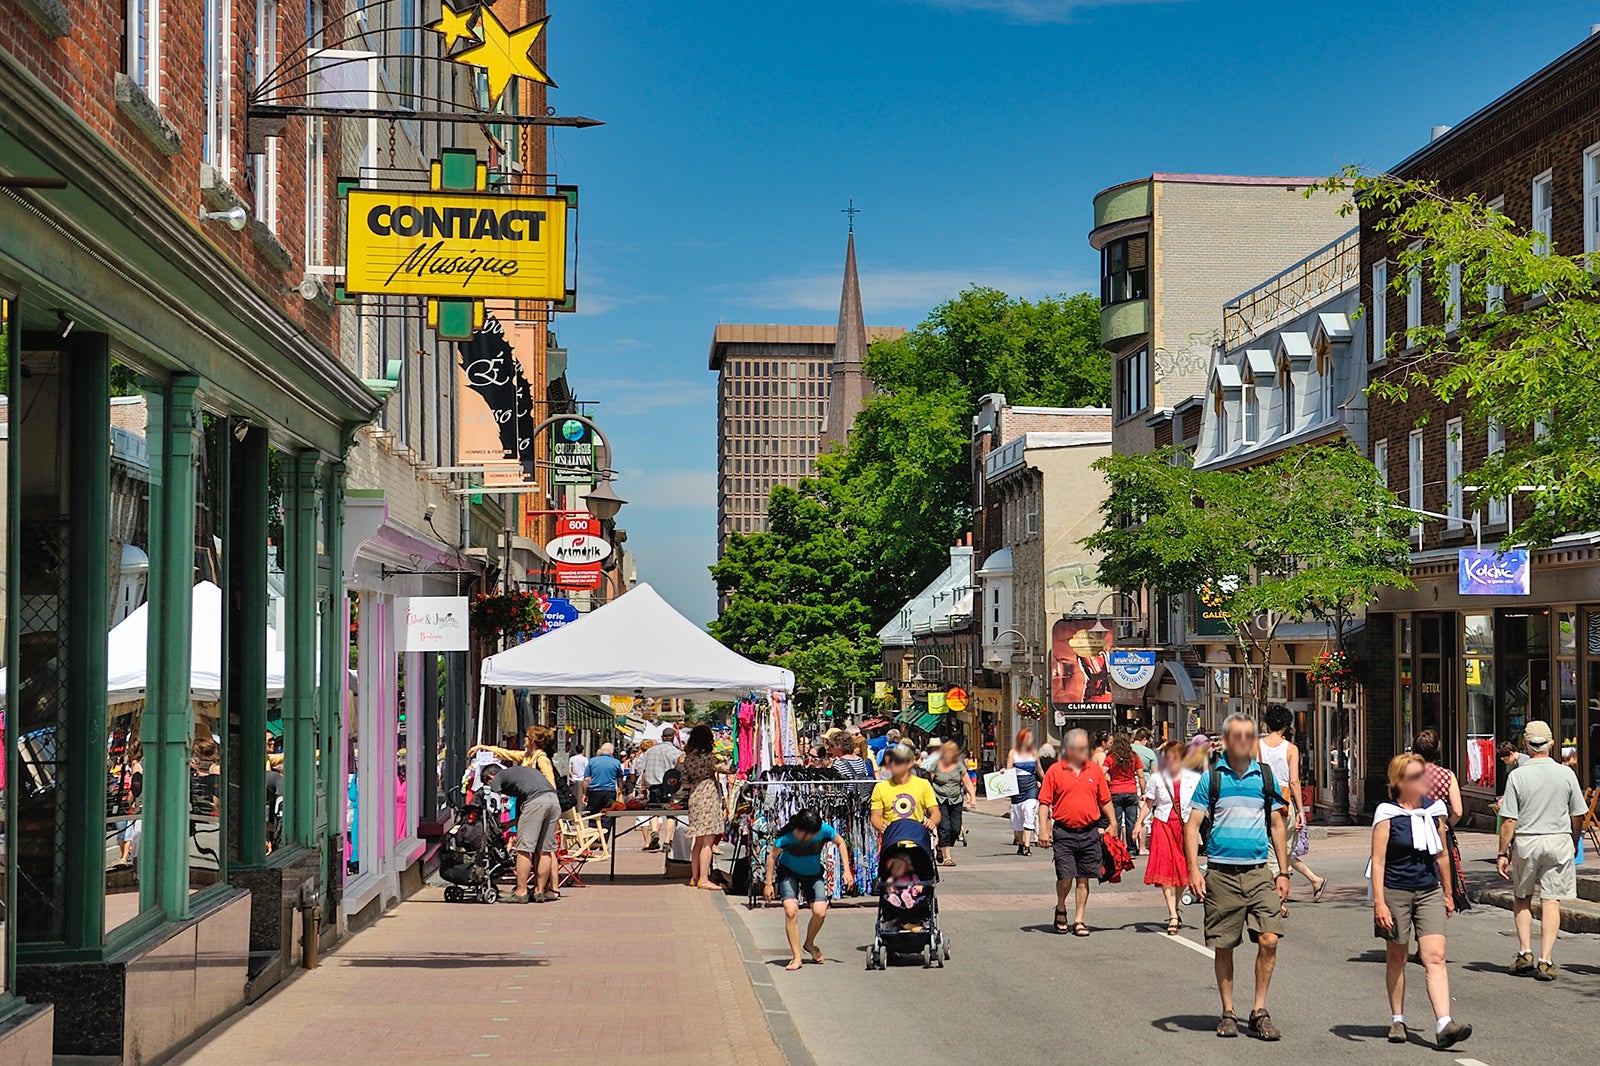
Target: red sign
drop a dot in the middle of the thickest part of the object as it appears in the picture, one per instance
(579, 524)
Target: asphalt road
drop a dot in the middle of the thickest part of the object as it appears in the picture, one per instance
(1016, 991)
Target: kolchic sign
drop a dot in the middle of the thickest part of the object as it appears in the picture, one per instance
(1487, 572)
(1130, 668)
(430, 623)
(457, 245)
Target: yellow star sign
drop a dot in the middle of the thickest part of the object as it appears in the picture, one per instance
(504, 55)
(453, 25)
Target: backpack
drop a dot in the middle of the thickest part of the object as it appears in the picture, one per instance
(1269, 789)
(564, 794)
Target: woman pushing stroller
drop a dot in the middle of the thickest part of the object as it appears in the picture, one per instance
(795, 873)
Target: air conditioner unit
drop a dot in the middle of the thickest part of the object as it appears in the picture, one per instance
(1124, 630)
(1030, 523)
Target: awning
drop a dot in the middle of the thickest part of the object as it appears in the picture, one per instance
(918, 717)
(586, 713)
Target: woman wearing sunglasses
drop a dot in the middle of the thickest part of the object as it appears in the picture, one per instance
(1412, 893)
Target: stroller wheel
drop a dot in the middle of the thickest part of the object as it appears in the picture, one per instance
(452, 894)
(944, 947)
(927, 957)
(489, 893)
(1188, 898)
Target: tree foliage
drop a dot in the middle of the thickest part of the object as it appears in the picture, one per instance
(845, 549)
(1312, 534)
(1526, 351)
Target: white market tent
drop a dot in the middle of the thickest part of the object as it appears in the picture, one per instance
(635, 644)
(127, 650)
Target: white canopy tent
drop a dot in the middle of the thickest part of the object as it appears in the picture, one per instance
(635, 644)
(128, 643)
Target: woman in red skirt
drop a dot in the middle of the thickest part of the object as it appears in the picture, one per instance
(1168, 798)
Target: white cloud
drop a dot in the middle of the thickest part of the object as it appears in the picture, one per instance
(633, 397)
(917, 290)
(1034, 11)
(670, 490)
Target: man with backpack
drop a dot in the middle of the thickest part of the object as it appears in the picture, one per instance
(1247, 880)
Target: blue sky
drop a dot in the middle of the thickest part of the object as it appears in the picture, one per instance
(972, 133)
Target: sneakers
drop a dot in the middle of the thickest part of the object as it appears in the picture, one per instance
(1397, 1033)
(1262, 1028)
(1544, 971)
(1522, 964)
(1450, 1035)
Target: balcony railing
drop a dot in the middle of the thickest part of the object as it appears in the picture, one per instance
(1327, 271)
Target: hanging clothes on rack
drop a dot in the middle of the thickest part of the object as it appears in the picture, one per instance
(746, 743)
(768, 803)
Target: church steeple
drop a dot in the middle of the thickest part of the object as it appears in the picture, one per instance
(849, 387)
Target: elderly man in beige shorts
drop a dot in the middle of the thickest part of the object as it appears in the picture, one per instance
(1541, 814)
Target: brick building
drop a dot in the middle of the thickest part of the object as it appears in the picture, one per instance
(1474, 668)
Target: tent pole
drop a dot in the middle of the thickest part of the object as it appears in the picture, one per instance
(477, 736)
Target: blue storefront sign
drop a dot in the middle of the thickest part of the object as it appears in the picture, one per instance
(558, 612)
(1487, 572)
(1131, 668)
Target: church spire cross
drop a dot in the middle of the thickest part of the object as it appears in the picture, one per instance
(852, 211)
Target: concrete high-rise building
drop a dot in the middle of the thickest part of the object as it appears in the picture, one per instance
(773, 393)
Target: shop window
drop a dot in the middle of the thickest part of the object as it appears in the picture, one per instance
(1481, 727)
(207, 769)
(7, 335)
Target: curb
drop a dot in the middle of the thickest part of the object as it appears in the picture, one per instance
(779, 1022)
(1577, 916)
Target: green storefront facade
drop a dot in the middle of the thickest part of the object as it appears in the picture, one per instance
(171, 438)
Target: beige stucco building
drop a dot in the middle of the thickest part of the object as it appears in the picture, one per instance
(1174, 248)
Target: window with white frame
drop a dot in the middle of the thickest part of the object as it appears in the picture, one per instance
(1219, 424)
(1591, 201)
(265, 167)
(1413, 300)
(1452, 306)
(316, 228)
(1497, 446)
(1251, 414)
(215, 146)
(141, 45)
(1380, 461)
(1380, 312)
(1414, 479)
(1494, 296)
(1286, 389)
(1452, 471)
(1544, 211)
(1325, 393)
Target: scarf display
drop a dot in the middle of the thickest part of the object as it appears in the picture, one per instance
(766, 805)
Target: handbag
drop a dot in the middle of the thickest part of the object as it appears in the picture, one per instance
(564, 794)
(1114, 859)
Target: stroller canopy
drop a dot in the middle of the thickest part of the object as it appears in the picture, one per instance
(911, 840)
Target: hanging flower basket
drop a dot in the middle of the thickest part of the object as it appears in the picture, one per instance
(498, 613)
(1029, 707)
(1338, 670)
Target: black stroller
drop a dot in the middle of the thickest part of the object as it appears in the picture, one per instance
(473, 856)
(908, 912)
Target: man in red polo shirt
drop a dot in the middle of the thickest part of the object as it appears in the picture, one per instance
(1074, 811)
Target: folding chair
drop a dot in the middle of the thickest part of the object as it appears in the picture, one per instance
(582, 841)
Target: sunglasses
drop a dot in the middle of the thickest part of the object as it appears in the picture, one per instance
(1414, 775)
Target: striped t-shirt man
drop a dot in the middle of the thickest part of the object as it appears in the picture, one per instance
(1239, 834)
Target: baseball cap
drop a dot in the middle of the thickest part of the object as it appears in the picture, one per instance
(1538, 734)
(1199, 740)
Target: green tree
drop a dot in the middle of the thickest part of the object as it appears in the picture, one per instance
(1526, 350)
(1312, 534)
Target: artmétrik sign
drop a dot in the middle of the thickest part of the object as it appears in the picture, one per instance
(457, 245)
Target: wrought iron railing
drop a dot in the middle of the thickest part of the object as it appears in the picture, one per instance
(1329, 270)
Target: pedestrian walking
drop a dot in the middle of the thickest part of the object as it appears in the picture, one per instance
(1283, 756)
(1025, 804)
(1412, 894)
(1167, 800)
(1247, 880)
(1540, 816)
(1076, 811)
(953, 788)
(601, 779)
(903, 794)
(1443, 785)
(1142, 748)
(1047, 759)
(698, 769)
(847, 761)
(795, 875)
(1125, 773)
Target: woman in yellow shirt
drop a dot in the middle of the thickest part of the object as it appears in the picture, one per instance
(903, 795)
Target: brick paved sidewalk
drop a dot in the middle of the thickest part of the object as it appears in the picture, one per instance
(639, 971)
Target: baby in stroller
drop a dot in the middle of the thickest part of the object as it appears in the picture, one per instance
(908, 910)
(473, 856)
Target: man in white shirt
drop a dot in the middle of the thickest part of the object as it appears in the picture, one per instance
(577, 766)
(652, 767)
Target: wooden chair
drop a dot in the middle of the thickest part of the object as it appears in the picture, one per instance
(1591, 821)
(582, 841)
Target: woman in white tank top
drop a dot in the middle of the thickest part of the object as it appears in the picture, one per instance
(1282, 757)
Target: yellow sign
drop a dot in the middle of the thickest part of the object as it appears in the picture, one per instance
(456, 245)
(956, 699)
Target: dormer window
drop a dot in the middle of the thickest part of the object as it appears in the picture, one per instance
(1286, 386)
(1252, 415)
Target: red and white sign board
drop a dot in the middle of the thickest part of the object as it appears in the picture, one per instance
(578, 536)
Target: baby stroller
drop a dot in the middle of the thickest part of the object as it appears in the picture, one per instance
(908, 912)
(472, 857)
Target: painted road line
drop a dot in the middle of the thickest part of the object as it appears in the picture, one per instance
(1471, 1062)
(1191, 945)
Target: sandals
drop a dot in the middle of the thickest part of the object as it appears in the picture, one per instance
(1173, 925)
(1316, 890)
(1262, 1028)
(1228, 1026)
(1061, 922)
(1079, 929)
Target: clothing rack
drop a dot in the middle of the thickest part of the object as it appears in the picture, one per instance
(764, 806)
